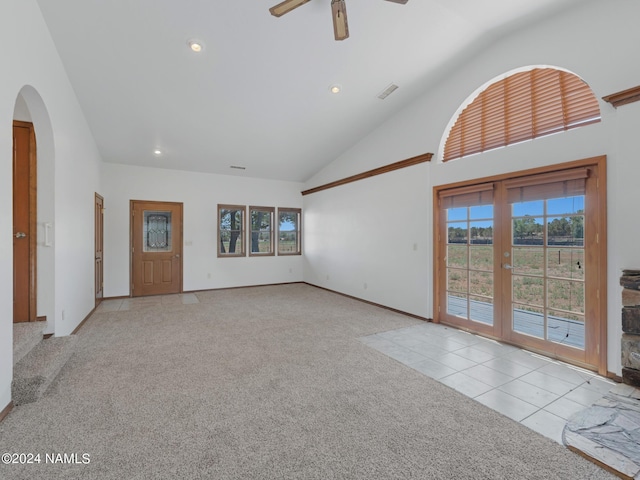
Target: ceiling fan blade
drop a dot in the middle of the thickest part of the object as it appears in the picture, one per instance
(339, 14)
(286, 7)
(398, 1)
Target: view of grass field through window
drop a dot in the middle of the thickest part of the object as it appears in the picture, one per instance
(546, 260)
(289, 231)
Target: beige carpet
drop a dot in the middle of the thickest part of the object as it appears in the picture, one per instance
(265, 383)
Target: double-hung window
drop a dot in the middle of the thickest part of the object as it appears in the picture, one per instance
(289, 241)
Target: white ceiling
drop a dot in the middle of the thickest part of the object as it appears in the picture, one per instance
(258, 95)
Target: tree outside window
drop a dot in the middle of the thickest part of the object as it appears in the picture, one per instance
(261, 222)
(231, 230)
(289, 241)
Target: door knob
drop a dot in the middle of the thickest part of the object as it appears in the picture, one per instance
(177, 255)
(507, 266)
(20, 235)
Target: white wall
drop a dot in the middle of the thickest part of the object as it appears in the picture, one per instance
(597, 41)
(68, 178)
(200, 194)
(369, 239)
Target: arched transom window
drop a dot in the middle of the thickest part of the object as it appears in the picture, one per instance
(520, 107)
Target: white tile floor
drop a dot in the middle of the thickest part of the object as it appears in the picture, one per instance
(137, 303)
(536, 391)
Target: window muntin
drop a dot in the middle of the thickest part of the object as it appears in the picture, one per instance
(261, 231)
(520, 107)
(231, 230)
(289, 238)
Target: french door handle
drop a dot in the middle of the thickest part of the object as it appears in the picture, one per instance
(507, 266)
(20, 235)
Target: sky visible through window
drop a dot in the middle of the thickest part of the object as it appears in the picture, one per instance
(482, 215)
(287, 226)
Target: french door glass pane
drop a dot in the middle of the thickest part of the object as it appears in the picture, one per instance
(547, 278)
(457, 304)
(457, 256)
(470, 262)
(528, 260)
(481, 257)
(458, 232)
(564, 206)
(565, 262)
(528, 290)
(528, 320)
(481, 309)
(566, 295)
(566, 231)
(566, 328)
(528, 231)
(457, 280)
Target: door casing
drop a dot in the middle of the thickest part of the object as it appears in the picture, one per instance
(99, 244)
(136, 288)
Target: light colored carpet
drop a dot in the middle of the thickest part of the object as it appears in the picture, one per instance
(265, 383)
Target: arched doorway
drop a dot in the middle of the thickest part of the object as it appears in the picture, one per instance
(32, 119)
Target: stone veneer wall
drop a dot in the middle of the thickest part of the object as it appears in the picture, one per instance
(630, 280)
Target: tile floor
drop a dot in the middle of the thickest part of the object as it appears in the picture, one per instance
(124, 304)
(536, 391)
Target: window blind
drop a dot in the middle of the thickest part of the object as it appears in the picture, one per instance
(471, 196)
(565, 183)
(520, 107)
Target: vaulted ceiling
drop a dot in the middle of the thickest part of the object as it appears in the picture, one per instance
(258, 95)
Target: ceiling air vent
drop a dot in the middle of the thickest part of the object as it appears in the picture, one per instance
(388, 91)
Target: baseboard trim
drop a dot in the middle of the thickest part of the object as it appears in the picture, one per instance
(5, 411)
(81, 324)
(616, 378)
(395, 310)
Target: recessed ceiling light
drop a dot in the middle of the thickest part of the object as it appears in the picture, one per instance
(157, 152)
(195, 45)
(335, 88)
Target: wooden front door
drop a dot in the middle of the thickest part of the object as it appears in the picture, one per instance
(24, 222)
(99, 239)
(523, 259)
(156, 248)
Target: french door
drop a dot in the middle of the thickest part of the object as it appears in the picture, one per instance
(523, 260)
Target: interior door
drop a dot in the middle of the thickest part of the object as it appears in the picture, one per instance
(24, 222)
(156, 248)
(523, 260)
(99, 241)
